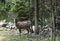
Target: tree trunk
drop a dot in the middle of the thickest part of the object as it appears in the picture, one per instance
(36, 12)
(53, 12)
(36, 7)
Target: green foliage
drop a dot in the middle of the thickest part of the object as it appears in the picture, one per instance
(22, 9)
(25, 10)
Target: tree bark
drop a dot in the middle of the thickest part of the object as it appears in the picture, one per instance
(53, 12)
(36, 7)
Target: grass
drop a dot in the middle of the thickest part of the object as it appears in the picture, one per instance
(16, 38)
(3, 32)
(13, 37)
(23, 37)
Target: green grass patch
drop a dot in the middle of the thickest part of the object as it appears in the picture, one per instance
(50, 39)
(25, 38)
(3, 32)
(16, 38)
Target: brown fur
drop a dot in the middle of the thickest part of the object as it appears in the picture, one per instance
(23, 25)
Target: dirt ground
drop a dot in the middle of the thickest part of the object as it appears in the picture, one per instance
(1, 38)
